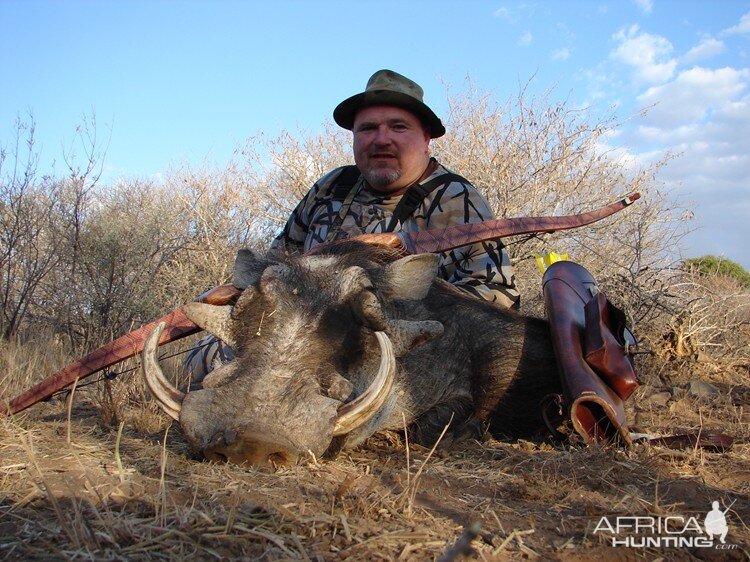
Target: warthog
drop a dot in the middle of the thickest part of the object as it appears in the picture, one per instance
(336, 346)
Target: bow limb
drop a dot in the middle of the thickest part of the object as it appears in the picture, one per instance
(177, 326)
(445, 239)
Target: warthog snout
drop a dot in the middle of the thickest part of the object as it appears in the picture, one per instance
(245, 448)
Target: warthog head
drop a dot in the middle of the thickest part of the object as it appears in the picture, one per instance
(317, 340)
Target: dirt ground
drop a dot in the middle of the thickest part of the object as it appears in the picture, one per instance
(71, 489)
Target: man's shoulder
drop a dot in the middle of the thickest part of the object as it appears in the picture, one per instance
(452, 183)
(327, 183)
(447, 176)
(455, 191)
(329, 177)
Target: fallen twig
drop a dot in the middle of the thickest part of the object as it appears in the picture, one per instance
(463, 544)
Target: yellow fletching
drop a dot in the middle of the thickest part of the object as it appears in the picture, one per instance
(540, 263)
(546, 260)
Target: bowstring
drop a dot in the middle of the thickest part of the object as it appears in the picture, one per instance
(109, 375)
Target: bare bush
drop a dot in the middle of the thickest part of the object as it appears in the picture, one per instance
(714, 323)
(30, 238)
(215, 213)
(129, 237)
(532, 157)
(41, 227)
(284, 168)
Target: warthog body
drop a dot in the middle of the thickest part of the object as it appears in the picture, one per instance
(309, 336)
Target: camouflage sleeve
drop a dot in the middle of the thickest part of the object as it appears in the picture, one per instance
(292, 239)
(481, 269)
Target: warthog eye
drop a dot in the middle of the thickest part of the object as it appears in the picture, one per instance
(337, 322)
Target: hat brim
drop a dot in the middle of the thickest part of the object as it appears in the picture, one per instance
(346, 111)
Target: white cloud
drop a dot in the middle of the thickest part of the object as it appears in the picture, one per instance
(706, 49)
(648, 55)
(512, 16)
(525, 39)
(701, 114)
(601, 87)
(565, 31)
(645, 5)
(704, 116)
(618, 154)
(561, 54)
(693, 95)
(742, 28)
(713, 176)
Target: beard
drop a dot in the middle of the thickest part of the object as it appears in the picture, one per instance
(382, 177)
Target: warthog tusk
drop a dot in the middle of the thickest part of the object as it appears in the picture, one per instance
(169, 398)
(357, 412)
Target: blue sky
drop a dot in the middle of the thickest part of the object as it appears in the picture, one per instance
(187, 82)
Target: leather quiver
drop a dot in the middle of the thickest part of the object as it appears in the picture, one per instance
(595, 410)
(606, 344)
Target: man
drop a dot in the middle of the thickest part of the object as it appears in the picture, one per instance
(716, 523)
(397, 186)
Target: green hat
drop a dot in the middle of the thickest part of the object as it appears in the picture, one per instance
(386, 87)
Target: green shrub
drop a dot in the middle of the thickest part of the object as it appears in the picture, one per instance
(714, 265)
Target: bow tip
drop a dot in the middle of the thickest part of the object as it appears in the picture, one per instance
(631, 198)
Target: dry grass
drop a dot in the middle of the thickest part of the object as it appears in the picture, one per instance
(23, 364)
(131, 491)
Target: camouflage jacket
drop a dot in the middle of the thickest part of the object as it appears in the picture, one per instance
(481, 269)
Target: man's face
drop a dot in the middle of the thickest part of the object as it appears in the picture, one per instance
(391, 148)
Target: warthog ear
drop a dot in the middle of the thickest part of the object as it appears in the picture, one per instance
(406, 334)
(411, 277)
(214, 319)
(248, 268)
